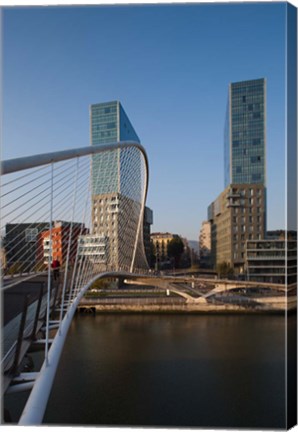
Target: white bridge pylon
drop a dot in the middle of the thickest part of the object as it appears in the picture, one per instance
(84, 208)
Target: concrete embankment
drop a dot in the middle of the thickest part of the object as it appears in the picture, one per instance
(98, 307)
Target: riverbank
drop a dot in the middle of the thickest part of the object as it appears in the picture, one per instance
(159, 306)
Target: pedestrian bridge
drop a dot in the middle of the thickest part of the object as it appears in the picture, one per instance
(84, 208)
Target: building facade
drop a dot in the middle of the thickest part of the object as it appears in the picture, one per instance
(205, 244)
(116, 203)
(237, 215)
(245, 133)
(273, 261)
(60, 241)
(160, 243)
(21, 246)
(109, 124)
(94, 249)
(148, 221)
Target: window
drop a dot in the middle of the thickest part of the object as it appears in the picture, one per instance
(256, 177)
(107, 110)
(255, 159)
(111, 125)
(31, 234)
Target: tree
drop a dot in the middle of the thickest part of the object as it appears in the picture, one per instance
(224, 269)
(152, 254)
(175, 249)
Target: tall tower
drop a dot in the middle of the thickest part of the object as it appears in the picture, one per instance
(109, 124)
(245, 134)
(239, 212)
(116, 205)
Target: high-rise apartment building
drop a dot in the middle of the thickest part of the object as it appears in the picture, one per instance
(205, 243)
(245, 133)
(239, 213)
(116, 205)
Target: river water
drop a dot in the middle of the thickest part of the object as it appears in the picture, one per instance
(216, 371)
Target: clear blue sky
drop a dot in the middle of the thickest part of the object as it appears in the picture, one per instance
(170, 67)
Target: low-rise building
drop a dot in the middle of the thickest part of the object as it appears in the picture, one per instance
(273, 261)
(160, 242)
(60, 241)
(21, 245)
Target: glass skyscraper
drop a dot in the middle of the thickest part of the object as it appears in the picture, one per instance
(109, 124)
(116, 188)
(245, 133)
(239, 212)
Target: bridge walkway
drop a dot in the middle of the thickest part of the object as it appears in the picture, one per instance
(25, 308)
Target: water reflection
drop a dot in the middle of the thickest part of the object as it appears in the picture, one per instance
(172, 370)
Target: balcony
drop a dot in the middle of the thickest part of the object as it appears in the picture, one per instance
(266, 258)
(233, 195)
(233, 204)
(114, 208)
